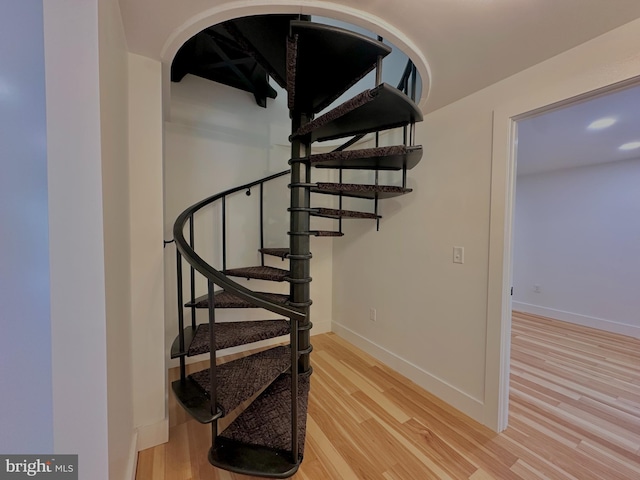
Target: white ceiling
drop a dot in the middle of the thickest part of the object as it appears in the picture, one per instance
(468, 44)
(561, 139)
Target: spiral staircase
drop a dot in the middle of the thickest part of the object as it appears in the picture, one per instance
(315, 64)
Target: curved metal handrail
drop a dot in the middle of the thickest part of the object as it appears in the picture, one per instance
(216, 276)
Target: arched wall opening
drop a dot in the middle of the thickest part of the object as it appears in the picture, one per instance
(353, 16)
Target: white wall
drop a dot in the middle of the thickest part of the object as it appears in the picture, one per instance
(76, 236)
(577, 238)
(441, 323)
(147, 294)
(430, 313)
(88, 162)
(26, 403)
(218, 138)
(115, 189)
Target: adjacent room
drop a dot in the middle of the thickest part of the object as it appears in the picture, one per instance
(575, 359)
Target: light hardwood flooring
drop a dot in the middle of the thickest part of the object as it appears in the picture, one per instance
(574, 414)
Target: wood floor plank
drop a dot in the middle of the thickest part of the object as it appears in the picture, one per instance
(335, 464)
(145, 467)
(574, 415)
(481, 475)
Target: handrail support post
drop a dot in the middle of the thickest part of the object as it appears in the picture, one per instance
(213, 381)
(192, 276)
(183, 373)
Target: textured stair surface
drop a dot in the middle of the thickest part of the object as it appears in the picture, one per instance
(267, 421)
(359, 190)
(333, 213)
(321, 65)
(223, 299)
(232, 334)
(240, 379)
(394, 157)
(380, 108)
(326, 233)
(264, 38)
(260, 273)
(276, 252)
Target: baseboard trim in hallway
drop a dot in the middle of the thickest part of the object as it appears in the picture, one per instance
(149, 436)
(450, 394)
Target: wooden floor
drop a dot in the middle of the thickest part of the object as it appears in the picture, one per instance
(574, 414)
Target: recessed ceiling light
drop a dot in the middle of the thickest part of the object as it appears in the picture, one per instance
(601, 123)
(629, 146)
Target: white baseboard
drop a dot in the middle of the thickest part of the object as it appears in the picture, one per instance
(132, 465)
(438, 387)
(152, 435)
(578, 319)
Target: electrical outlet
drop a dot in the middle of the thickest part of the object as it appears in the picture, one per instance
(458, 254)
(372, 314)
(536, 288)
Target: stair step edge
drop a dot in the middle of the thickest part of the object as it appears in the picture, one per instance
(381, 108)
(267, 418)
(195, 402)
(240, 379)
(394, 157)
(224, 299)
(259, 273)
(345, 214)
(276, 252)
(233, 334)
(251, 460)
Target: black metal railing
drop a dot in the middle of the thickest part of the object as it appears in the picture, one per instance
(407, 85)
(409, 80)
(186, 250)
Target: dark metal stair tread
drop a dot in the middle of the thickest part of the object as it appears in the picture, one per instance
(252, 460)
(193, 400)
(188, 333)
(259, 272)
(321, 64)
(232, 334)
(380, 108)
(326, 233)
(263, 37)
(240, 379)
(333, 213)
(358, 190)
(381, 158)
(224, 299)
(267, 421)
(276, 252)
